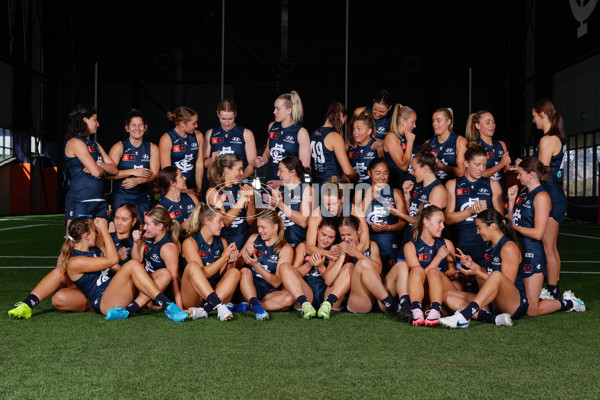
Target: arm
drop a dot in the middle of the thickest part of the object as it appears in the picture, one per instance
(298, 217)
(262, 160)
(454, 217)
(393, 146)
(511, 258)
(461, 148)
(107, 163)
(208, 157)
(547, 149)
(77, 266)
(137, 250)
(331, 273)
(504, 162)
(452, 272)
(497, 199)
(364, 230)
(543, 205)
(304, 149)
(250, 205)
(439, 197)
(165, 146)
(184, 224)
(199, 169)
(250, 149)
(410, 255)
(401, 210)
(302, 267)
(77, 148)
(212, 198)
(341, 154)
(170, 255)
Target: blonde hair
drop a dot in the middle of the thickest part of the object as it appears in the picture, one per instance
(426, 211)
(198, 218)
(400, 111)
(217, 168)
(274, 219)
(160, 216)
(472, 133)
(292, 100)
(449, 114)
(181, 114)
(77, 228)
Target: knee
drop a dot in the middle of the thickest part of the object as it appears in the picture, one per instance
(434, 272)
(162, 276)
(59, 300)
(234, 273)
(246, 273)
(417, 272)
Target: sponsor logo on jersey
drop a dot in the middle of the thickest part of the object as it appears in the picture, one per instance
(483, 190)
(128, 157)
(236, 139)
(216, 140)
(462, 191)
(289, 139)
(178, 148)
(174, 214)
(273, 135)
(369, 154)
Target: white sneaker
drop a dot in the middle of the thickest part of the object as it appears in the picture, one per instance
(223, 312)
(578, 304)
(545, 295)
(503, 320)
(197, 312)
(455, 321)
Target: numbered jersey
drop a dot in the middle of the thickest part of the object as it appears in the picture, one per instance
(178, 210)
(524, 215)
(126, 244)
(292, 197)
(229, 142)
(238, 232)
(382, 125)
(183, 155)
(467, 194)
(85, 186)
(360, 157)
(154, 262)
(93, 284)
(283, 142)
(445, 152)
(325, 162)
(426, 253)
(494, 155)
(133, 158)
(557, 163)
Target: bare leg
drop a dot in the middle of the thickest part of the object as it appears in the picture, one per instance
(161, 278)
(70, 300)
(341, 285)
(501, 291)
(247, 284)
(278, 301)
(550, 240)
(194, 285)
(294, 284)
(416, 284)
(228, 283)
(533, 287)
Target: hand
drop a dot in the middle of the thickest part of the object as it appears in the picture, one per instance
(247, 191)
(467, 263)
(377, 144)
(512, 193)
(128, 183)
(274, 184)
(215, 154)
(410, 136)
(142, 172)
(478, 207)
(275, 199)
(316, 260)
(451, 273)
(395, 211)
(381, 227)
(228, 250)
(334, 252)
(101, 224)
(137, 235)
(122, 253)
(250, 260)
(442, 253)
(407, 186)
(259, 162)
(85, 170)
(505, 160)
(349, 249)
(516, 166)
(248, 249)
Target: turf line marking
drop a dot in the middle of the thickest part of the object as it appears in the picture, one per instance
(581, 236)
(24, 226)
(581, 272)
(30, 267)
(582, 262)
(28, 256)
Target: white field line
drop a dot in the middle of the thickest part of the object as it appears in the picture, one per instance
(24, 226)
(581, 236)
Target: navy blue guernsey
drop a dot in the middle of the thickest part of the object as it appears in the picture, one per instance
(93, 284)
(85, 186)
(293, 233)
(152, 253)
(397, 175)
(209, 253)
(266, 258)
(494, 155)
(229, 142)
(493, 262)
(126, 243)
(133, 158)
(183, 155)
(360, 157)
(283, 142)
(556, 164)
(382, 125)
(238, 232)
(325, 163)
(426, 253)
(524, 215)
(378, 212)
(419, 195)
(181, 210)
(314, 271)
(467, 193)
(446, 153)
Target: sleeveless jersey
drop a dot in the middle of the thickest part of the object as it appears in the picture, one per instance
(283, 142)
(379, 212)
(152, 253)
(85, 186)
(467, 193)
(183, 155)
(493, 262)
(419, 195)
(314, 271)
(557, 163)
(133, 158)
(426, 253)
(360, 157)
(398, 176)
(293, 233)
(238, 232)
(126, 243)
(209, 253)
(325, 163)
(446, 153)
(494, 155)
(266, 257)
(524, 215)
(181, 210)
(229, 142)
(93, 284)
(382, 125)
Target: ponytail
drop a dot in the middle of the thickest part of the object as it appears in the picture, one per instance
(474, 149)
(547, 107)
(426, 211)
(197, 219)
(160, 216)
(333, 116)
(216, 169)
(492, 216)
(400, 111)
(77, 228)
(292, 100)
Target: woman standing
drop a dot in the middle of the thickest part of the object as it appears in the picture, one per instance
(447, 146)
(398, 144)
(359, 146)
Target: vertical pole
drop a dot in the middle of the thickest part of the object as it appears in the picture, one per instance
(96, 89)
(223, 51)
(470, 77)
(346, 63)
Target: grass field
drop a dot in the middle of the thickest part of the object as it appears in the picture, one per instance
(54, 355)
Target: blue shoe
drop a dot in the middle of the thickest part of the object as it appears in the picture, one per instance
(260, 312)
(175, 313)
(230, 306)
(116, 313)
(242, 307)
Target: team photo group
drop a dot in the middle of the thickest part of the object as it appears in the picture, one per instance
(358, 222)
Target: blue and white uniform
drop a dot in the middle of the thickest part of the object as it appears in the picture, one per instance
(554, 184)
(378, 212)
(426, 253)
(446, 152)
(268, 259)
(325, 163)
(494, 155)
(184, 152)
(534, 260)
(93, 284)
(315, 280)
(292, 197)
(209, 253)
(239, 231)
(154, 261)
(360, 157)
(126, 243)
(398, 176)
(382, 125)
(139, 195)
(229, 142)
(178, 210)
(283, 142)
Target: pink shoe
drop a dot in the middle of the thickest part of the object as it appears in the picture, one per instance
(433, 318)
(418, 319)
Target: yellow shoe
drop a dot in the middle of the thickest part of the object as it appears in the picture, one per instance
(325, 310)
(21, 311)
(308, 311)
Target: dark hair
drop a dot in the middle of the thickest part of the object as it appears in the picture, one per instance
(135, 113)
(216, 169)
(165, 177)
(547, 107)
(77, 228)
(332, 223)
(77, 125)
(449, 114)
(227, 105)
(333, 116)
(426, 211)
(133, 212)
(383, 97)
(293, 163)
(181, 113)
(350, 221)
(534, 164)
(472, 133)
(425, 158)
(474, 149)
(376, 161)
(367, 118)
(492, 216)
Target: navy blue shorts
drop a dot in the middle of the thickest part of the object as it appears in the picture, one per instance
(318, 286)
(532, 266)
(263, 288)
(522, 310)
(559, 200)
(92, 209)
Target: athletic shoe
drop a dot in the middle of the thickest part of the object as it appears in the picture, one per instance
(175, 313)
(260, 313)
(223, 312)
(433, 317)
(503, 320)
(197, 312)
(21, 311)
(308, 311)
(546, 295)
(404, 315)
(325, 310)
(230, 306)
(455, 321)
(578, 304)
(242, 307)
(116, 313)
(417, 317)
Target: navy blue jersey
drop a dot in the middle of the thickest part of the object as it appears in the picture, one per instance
(283, 142)
(426, 253)
(419, 195)
(382, 125)
(325, 163)
(292, 197)
(378, 212)
(183, 155)
(524, 215)
(126, 243)
(266, 256)
(133, 158)
(494, 155)
(209, 253)
(178, 210)
(360, 157)
(238, 232)
(93, 284)
(314, 271)
(467, 193)
(493, 262)
(557, 163)
(445, 152)
(85, 186)
(152, 256)
(397, 175)
(229, 142)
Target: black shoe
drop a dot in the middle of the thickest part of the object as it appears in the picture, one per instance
(404, 315)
